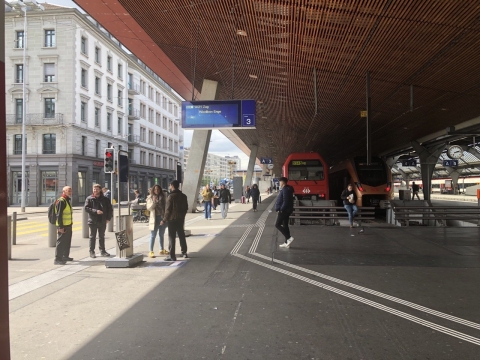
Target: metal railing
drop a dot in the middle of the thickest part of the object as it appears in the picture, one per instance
(441, 214)
(133, 88)
(35, 119)
(133, 113)
(133, 139)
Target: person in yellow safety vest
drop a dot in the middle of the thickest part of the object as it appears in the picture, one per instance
(63, 210)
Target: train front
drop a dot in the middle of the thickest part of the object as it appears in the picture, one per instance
(307, 173)
(374, 181)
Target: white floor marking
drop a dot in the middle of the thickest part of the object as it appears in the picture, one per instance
(374, 304)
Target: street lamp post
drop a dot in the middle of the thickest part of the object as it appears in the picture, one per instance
(24, 106)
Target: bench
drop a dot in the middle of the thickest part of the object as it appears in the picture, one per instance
(332, 213)
(405, 214)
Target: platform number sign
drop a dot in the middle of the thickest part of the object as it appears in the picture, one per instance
(248, 120)
(450, 163)
(409, 162)
(266, 161)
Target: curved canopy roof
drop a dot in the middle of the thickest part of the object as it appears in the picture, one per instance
(305, 62)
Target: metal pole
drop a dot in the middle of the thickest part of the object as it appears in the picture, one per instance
(9, 235)
(52, 235)
(112, 196)
(14, 228)
(369, 140)
(411, 98)
(24, 103)
(85, 229)
(119, 226)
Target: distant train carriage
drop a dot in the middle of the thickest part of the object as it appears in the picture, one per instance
(371, 183)
(307, 173)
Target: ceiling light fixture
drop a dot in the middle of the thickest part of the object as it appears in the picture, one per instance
(253, 76)
(241, 32)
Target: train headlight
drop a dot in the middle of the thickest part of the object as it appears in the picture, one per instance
(359, 186)
(389, 187)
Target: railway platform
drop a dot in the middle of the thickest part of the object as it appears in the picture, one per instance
(336, 293)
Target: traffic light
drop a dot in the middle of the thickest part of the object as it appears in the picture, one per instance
(108, 161)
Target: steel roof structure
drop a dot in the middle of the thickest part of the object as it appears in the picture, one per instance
(305, 62)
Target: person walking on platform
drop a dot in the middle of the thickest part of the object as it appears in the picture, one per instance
(100, 212)
(415, 190)
(207, 195)
(63, 212)
(349, 200)
(284, 208)
(255, 193)
(156, 206)
(175, 212)
(225, 199)
(248, 193)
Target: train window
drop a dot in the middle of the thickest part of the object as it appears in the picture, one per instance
(374, 174)
(305, 170)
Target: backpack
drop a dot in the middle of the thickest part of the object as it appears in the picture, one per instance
(52, 213)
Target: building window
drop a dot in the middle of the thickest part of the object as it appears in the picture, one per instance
(49, 38)
(150, 160)
(20, 40)
(84, 78)
(109, 63)
(109, 121)
(49, 143)
(109, 92)
(119, 125)
(159, 141)
(142, 157)
(165, 123)
(164, 162)
(143, 134)
(83, 46)
(18, 111)
(142, 87)
(83, 111)
(175, 111)
(97, 85)
(49, 108)
(97, 116)
(19, 73)
(109, 145)
(120, 96)
(170, 144)
(164, 103)
(142, 111)
(119, 69)
(17, 147)
(176, 129)
(151, 118)
(97, 55)
(175, 147)
(157, 98)
(170, 109)
(170, 126)
(49, 70)
(150, 137)
(170, 164)
(84, 145)
(97, 148)
(159, 161)
(158, 120)
(164, 142)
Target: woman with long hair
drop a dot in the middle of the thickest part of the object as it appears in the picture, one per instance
(156, 205)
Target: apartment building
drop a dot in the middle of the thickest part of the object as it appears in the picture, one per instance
(84, 92)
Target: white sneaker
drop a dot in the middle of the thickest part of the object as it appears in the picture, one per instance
(283, 245)
(289, 241)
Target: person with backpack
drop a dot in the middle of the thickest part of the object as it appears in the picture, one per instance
(64, 222)
(225, 199)
(100, 212)
(284, 208)
(255, 193)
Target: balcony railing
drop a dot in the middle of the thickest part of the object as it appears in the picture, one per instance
(133, 89)
(133, 113)
(133, 139)
(35, 119)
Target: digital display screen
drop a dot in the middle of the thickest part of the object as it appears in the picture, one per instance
(305, 163)
(218, 114)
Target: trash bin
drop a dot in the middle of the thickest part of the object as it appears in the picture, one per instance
(405, 194)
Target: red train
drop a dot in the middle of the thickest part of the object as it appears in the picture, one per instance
(307, 173)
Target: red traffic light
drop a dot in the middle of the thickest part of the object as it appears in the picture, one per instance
(108, 154)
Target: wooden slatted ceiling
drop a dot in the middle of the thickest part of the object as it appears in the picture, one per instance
(430, 44)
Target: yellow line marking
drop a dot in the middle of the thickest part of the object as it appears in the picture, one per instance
(73, 229)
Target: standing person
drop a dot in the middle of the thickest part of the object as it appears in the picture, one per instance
(255, 193)
(225, 199)
(349, 200)
(63, 210)
(100, 212)
(415, 190)
(284, 208)
(248, 192)
(156, 205)
(215, 197)
(175, 212)
(107, 193)
(207, 196)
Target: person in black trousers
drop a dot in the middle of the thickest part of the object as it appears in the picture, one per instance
(100, 212)
(63, 212)
(255, 194)
(284, 208)
(175, 212)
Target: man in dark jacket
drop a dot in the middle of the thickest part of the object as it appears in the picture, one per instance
(349, 200)
(284, 208)
(225, 199)
(175, 212)
(63, 212)
(255, 193)
(100, 212)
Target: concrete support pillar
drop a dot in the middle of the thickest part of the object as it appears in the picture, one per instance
(251, 165)
(198, 152)
(428, 159)
(454, 174)
(391, 160)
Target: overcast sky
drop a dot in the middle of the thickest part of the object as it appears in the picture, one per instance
(219, 144)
